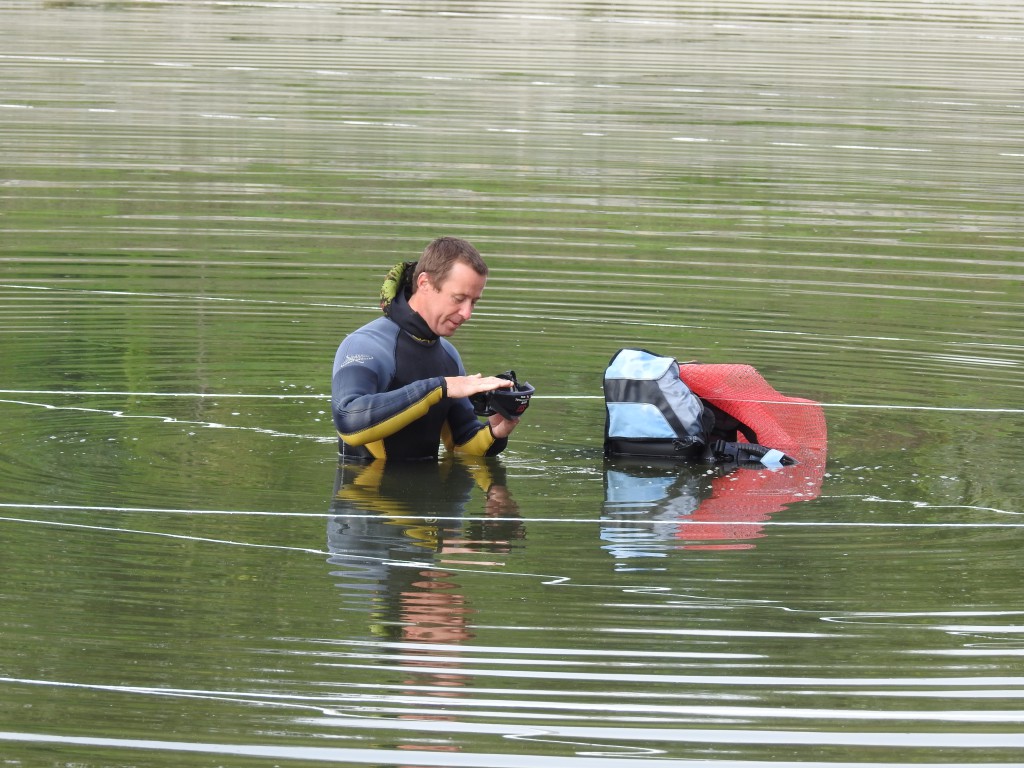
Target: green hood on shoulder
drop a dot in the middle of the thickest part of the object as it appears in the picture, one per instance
(399, 279)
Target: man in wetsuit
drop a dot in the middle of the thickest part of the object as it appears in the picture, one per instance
(399, 388)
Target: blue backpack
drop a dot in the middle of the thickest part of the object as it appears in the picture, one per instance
(649, 409)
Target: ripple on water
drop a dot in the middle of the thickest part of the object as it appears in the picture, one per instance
(190, 229)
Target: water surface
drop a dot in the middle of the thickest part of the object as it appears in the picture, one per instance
(199, 200)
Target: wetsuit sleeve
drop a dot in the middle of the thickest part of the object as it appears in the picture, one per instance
(483, 443)
(362, 412)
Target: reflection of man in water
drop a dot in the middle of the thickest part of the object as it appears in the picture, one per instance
(399, 388)
(393, 528)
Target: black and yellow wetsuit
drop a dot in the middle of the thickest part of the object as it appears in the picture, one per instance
(388, 395)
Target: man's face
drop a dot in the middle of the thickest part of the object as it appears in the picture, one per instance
(449, 305)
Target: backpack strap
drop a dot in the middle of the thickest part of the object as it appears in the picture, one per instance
(749, 453)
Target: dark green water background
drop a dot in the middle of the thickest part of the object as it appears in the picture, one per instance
(198, 200)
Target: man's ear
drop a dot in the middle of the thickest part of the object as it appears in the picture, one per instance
(423, 281)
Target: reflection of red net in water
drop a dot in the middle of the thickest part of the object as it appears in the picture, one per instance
(746, 497)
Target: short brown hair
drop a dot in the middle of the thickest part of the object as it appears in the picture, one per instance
(441, 255)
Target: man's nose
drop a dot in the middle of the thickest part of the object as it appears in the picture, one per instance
(466, 309)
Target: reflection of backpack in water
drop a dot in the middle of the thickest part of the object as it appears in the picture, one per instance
(645, 501)
(724, 413)
(657, 506)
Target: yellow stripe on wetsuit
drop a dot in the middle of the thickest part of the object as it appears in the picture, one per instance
(373, 437)
(478, 444)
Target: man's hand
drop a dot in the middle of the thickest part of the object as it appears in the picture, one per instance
(500, 426)
(465, 386)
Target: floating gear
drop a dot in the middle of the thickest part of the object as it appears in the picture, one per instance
(724, 413)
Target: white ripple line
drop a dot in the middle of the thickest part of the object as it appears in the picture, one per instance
(120, 414)
(165, 510)
(542, 734)
(200, 395)
(153, 295)
(455, 708)
(322, 396)
(548, 579)
(487, 518)
(162, 534)
(474, 518)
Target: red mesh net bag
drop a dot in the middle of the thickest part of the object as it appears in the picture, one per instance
(792, 424)
(745, 498)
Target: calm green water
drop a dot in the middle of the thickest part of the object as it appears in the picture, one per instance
(199, 200)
